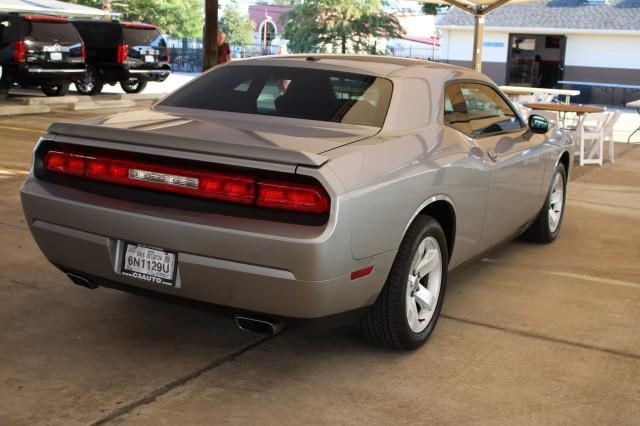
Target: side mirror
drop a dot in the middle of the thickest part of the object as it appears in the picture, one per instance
(538, 124)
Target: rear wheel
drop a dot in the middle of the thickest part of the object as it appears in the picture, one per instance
(407, 309)
(91, 84)
(55, 89)
(134, 84)
(547, 225)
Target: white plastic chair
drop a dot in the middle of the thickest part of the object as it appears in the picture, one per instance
(526, 99)
(608, 132)
(591, 129)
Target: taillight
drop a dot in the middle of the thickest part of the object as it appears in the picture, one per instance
(290, 196)
(19, 51)
(237, 188)
(168, 54)
(83, 52)
(122, 54)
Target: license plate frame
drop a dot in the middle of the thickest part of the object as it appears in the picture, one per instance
(55, 56)
(148, 258)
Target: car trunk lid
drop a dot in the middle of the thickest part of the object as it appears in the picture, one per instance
(270, 139)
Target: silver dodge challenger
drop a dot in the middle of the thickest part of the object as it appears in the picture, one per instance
(301, 187)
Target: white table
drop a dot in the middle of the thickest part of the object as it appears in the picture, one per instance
(520, 90)
(636, 105)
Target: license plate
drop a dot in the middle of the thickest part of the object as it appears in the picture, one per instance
(55, 56)
(149, 58)
(149, 264)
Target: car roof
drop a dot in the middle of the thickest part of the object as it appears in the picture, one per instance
(376, 65)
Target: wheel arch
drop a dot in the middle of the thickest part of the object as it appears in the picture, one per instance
(565, 160)
(442, 209)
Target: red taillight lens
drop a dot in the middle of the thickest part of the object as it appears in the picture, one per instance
(19, 51)
(123, 53)
(291, 196)
(168, 54)
(232, 187)
(83, 52)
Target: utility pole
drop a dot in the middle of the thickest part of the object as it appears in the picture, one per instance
(210, 42)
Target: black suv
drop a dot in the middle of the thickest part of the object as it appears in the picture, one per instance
(39, 51)
(128, 53)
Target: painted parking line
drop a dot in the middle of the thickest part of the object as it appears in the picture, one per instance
(590, 278)
(23, 129)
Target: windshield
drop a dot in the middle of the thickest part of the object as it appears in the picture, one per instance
(58, 32)
(142, 37)
(305, 93)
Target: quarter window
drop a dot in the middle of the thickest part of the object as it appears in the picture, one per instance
(477, 110)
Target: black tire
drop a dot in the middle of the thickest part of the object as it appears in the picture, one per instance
(540, 231)
(134, 85)
(386, 321)
(56, 89)
(91, 84)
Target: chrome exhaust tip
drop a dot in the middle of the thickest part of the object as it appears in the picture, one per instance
(262, 326)
(81, 281)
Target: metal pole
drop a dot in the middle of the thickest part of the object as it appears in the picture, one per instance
(210, 42)
(478, 34)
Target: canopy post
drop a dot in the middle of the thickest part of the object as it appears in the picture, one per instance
(210, 42)
(478, 34)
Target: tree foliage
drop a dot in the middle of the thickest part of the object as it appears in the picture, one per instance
(179, 18)
(432, 9)
(238, 28)
(338, 26)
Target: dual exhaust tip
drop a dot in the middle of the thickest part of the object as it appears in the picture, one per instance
(244, 323)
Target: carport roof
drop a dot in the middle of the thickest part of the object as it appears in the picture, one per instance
(49, 7)
(616, 15)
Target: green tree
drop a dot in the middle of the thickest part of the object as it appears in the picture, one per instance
(179, 18)
(432, 9)
(338, 26)
(238, 28)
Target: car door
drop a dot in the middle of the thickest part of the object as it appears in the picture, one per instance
(512, 153)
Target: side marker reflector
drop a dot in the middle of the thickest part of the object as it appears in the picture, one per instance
(361, 273)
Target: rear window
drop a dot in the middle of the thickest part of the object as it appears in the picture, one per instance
(142, 37)
(60, 32)
(310, 94)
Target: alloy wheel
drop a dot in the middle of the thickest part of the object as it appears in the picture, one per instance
(556, 202)
(424, 283)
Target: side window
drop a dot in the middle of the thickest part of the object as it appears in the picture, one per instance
(455, 109)
(487, 111)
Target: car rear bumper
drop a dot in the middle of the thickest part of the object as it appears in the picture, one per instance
(299, 276)
(156, 74)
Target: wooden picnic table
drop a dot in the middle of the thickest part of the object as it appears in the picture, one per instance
(576, 108)
(523, 90)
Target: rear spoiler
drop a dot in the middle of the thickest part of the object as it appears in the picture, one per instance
(200, 146)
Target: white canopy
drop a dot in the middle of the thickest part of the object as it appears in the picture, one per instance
(50, 7)
(478, 8)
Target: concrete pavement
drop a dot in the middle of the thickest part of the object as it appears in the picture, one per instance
(533, 334)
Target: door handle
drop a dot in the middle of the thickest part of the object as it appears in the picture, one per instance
(493, 155)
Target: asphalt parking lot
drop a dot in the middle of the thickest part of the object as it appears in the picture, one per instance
(532, 334)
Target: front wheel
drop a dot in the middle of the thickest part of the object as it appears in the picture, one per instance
(133, 85)
(57, 89)
(546, 227)
(407, 309)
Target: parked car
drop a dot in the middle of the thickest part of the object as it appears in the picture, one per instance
(121, 52)
(301, 187)
(40, 51)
